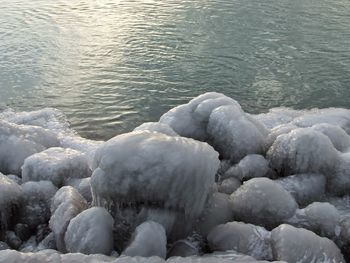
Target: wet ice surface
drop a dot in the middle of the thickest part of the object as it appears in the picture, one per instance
(207, 183)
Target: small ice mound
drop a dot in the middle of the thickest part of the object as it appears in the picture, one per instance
(36, 203)
(149, 239)
(90, 232)
(339, 138)
(320, 218)
(17, 142)
(217, 211)
(229, 185)
(154, 171)
(294, 245)
(55, 165)
(339, 183)
(278, 116)
(183, 248)
(303, 151)
(66, 204)
(231, 255)
(191, 119)
(305, 188)
(251, 166)
(156, 127)
(244, 238)
(82, 185)
(335, 116)
(235, 134)
(10, 201)
(263, 202)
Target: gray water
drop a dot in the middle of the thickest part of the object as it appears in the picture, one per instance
(111, 65)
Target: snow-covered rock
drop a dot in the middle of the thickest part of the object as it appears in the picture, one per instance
(305, 188)
(244, 238)
(149, 239)
(90, 232)
(300, 245)
(55, 165)
(143, 171)
(36, 203)
(229, 185)
(263, 202)
(66, 204)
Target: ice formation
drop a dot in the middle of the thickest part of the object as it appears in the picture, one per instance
(174, 184)
(56, 165)
(66, 204)
(90, 232)
(149, 239)
(153, 171)
(263, 202)
(293, 245)
(244, 238)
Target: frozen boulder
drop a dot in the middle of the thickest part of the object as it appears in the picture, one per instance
(278, 116)
(339, 181)
(36, 203)
(183, 248)
(148, 240)
(90, 232)
(191, 119)
(55, 165)
(235, 134)
(300, 245)
(244, 238)
(305, 188)
(10, 201)
(82, 185)
(144, 171)
(229, 185)
(339, 138)
(303, 151)
(156, 127)
(251, 166)
(261, 201)
(17, 142)
(66, 204)
(217, 211)
(321, 218)
(277, 131)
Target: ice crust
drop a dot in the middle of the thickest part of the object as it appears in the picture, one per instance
(90, 232)
(162, 187)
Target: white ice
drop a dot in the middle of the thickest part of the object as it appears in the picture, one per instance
(156, 127)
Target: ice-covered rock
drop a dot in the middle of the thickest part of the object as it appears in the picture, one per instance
(156, 127)
(303, 151)
(217, 211)
(55, 165)
(277, 131)
(4, 246)
(305, 188)
(10, 200)
(144, 171)
(262, 201)
(149, 239)
(17, 142)
(82, 185)
(300, 245)
(36, 203)
(251, 166)
(66, 204)
(278, 116)
(235, 134)
(339, 138)
(321, 218)
(339, 181)
(244, 238)
(90, 232)
(229, 185)
(183, 248)
(12, 240)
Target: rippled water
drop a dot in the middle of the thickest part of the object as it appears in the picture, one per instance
(111, 65)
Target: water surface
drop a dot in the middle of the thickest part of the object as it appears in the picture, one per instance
(111, 65)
